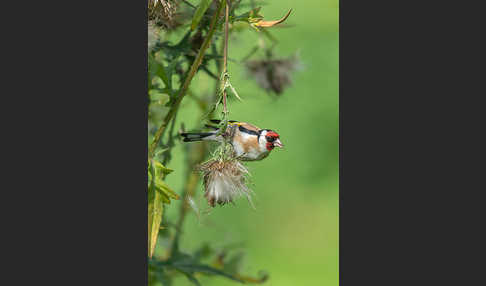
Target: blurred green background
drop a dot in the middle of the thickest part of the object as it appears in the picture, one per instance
(293, 233)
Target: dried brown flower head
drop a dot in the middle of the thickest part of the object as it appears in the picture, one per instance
(273, 74)
(224, 181)
(163, 13)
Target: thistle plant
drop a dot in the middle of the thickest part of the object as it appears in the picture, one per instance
(183, 41)
(224, 181)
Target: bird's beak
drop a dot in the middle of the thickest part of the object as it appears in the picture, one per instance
(278, 143)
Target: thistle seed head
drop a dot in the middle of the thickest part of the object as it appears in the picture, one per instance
(224, 181)
(273, 75)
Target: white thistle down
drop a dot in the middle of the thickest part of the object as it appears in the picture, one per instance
(224, 181)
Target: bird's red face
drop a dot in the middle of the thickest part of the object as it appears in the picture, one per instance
(273, 140)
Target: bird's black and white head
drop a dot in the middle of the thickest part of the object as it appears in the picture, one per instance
(270, 139)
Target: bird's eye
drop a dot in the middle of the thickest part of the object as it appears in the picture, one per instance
(270, 139)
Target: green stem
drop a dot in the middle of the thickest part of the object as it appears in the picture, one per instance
(225, 70)
(198, 152)
(225, 58)
(187, 82)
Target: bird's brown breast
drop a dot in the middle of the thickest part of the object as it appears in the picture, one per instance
(246, 141)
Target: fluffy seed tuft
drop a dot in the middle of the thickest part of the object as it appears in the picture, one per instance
(224, 181)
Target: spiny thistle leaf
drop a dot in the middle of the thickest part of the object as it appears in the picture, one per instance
(160, 71)
(164, 278)
(188, 265)
(234, 264)
(252, 16)
(157, 68)
(234, 91)
(191, 278)
(164, 197)
(233, 267)
(155, 210)
(158, 194)
(252, 280)
(162, 187)
(203, 252)
(201, 268)
(160, 97)
(161, 169)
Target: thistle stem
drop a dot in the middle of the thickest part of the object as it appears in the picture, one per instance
(193, 178)
(225, 57)
(183, 90)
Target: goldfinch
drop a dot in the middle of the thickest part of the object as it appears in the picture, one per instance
(249, 142)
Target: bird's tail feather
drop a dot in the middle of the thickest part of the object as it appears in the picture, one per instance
(191, 137)
(212, 127)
